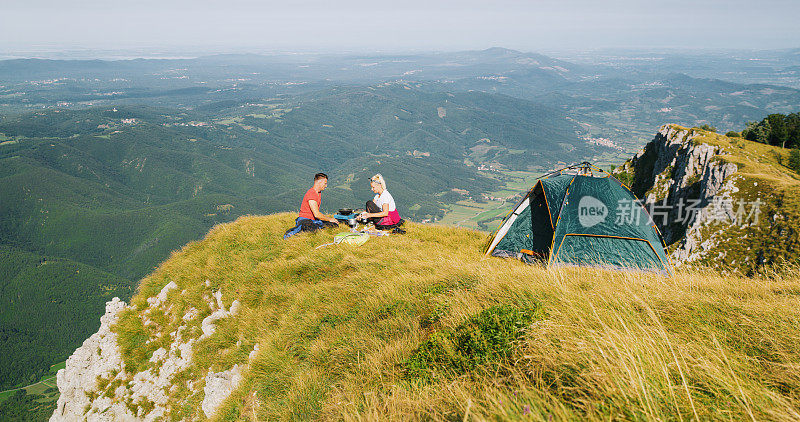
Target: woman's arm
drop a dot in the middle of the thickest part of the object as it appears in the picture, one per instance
(383, 213)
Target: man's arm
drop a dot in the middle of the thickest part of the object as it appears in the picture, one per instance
(317, 214)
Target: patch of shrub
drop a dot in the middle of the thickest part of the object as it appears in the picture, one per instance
(708, 127)
(733, 134)
(484, 341)
(626, 178)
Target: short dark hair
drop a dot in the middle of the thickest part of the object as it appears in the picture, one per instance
(320, 176)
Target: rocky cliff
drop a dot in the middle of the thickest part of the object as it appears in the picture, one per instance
(96, 385)
(717, 201)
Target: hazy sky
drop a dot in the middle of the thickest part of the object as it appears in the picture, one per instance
(399, 25)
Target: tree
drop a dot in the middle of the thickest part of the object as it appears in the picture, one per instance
(793, 130)
(775, 129)
(777, 134)
(733, 134)
(757, 131)
(794, 159)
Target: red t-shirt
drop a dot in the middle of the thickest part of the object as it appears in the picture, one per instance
(305, 209)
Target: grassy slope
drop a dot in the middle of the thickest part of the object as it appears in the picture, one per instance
(338, 325)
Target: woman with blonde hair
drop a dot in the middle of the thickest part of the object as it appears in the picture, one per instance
(381, 210)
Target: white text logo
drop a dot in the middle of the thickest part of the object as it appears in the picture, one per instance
(591, 211)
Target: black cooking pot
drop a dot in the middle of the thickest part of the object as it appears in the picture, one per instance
(345, 211)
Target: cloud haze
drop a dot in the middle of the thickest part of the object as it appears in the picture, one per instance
(409, 25)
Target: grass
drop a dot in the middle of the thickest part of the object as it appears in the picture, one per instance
(483, 342)
(339, 326)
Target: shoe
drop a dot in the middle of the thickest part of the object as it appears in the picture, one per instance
(398, 230)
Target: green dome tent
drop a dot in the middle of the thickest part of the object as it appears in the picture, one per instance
(581, 215)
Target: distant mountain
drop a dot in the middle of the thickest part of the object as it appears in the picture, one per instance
(619, 97)
(295, 67)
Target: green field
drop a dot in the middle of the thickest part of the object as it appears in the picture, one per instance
(43, 388)
(486, 215)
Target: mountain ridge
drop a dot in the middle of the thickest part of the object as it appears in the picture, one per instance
(245, 326)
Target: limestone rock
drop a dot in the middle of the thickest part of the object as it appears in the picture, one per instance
(145, 395)
(99, 356)
(253, 353)
(219, 385)
(688, 185)
(162, 296)
(208, 322)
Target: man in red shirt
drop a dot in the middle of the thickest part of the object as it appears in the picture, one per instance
(310, 217)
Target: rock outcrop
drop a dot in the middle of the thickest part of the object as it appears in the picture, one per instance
(219, 385)
(98, 357)
(682, 183)
(97, 386)
(709, 210)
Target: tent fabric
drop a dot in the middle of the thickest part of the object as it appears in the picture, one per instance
(601, 207)
(519, 236)
(512, 224)
(541, 230)
(579, 219)
(607, 252)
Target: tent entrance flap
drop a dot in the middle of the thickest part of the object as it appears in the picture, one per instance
(541, 229)
(514, 235)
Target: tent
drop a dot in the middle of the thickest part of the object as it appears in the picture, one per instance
(581, 215)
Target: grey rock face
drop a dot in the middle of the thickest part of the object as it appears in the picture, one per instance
(208, 322)
(99, 356)
(681, 179)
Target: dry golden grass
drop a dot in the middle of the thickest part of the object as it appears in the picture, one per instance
(753, 159)
(335, 326)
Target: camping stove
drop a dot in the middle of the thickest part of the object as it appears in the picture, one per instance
(349, 219)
